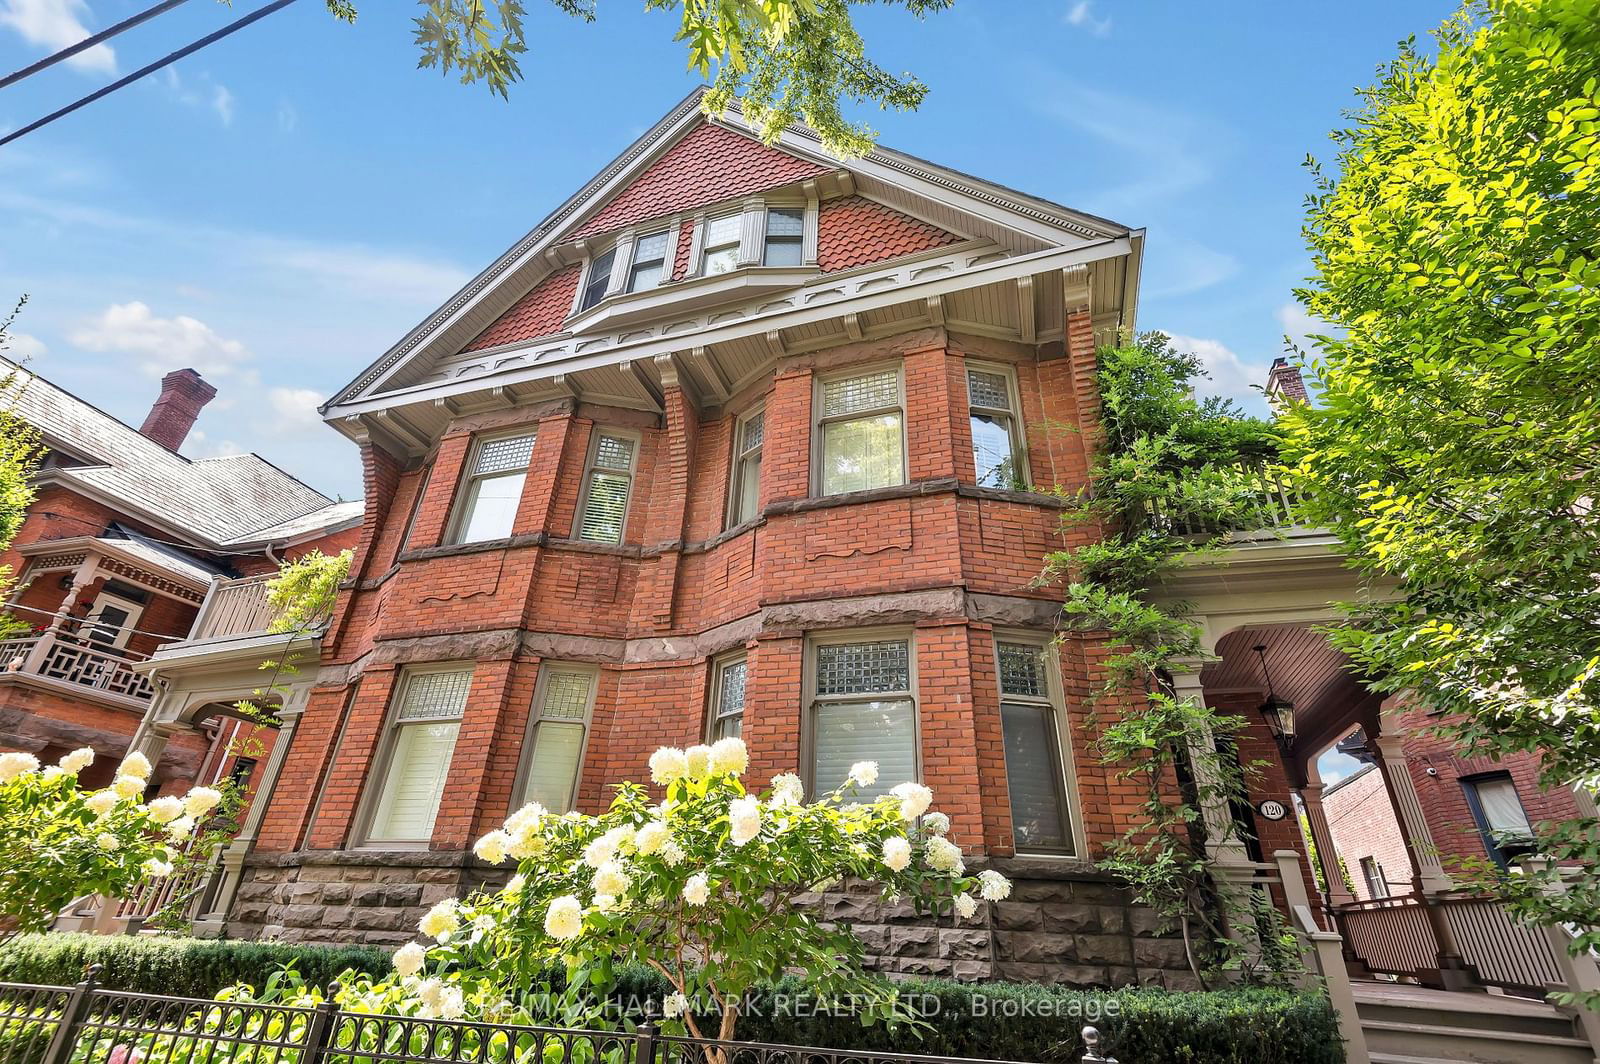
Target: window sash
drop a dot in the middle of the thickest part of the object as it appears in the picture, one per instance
(745, 487)
(599, 280)
(862, 453)
(1034, 778)
(422, 738)
(720, 253)
(649, 262)
(1502, 807)
(728, 699)
(607, 487)
(556, 742)
(488, 507)
(991, 402)
(847, 730)
(785, 238)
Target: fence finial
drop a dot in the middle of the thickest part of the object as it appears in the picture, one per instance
(1091, 1048)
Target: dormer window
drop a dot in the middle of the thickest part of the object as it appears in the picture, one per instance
(649, 262)
(594, 289)
(721, 251)
(786, 231)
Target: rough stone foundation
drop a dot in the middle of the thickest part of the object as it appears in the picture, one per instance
(1064, 922)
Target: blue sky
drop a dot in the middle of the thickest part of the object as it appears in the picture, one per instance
(284, 205)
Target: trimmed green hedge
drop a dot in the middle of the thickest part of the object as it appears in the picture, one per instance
(998, 1021)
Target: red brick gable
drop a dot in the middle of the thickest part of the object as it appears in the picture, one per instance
(539, 313)
(855, 231)
(708, 165)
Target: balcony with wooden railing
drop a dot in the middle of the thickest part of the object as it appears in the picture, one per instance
(1268, 509)
(235, 608)
(76, 666)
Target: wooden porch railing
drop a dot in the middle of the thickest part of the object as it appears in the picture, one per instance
(1271, 506)
(1391, 936)
(235, 607)
(62, 658)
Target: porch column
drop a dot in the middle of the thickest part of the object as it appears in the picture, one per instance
(1425, 865)
(214, 910)
(1222, 835)
(82, 577)
(1322, 837)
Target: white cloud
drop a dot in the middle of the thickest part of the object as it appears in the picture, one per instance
(164, 344)
(198, 445)
(1178, 267)
(1230, 375)
(20, 347)
(222, 103)
(364, 271)
(295, 407)
(1081, 15)
(208, 94)
(1298, 325)
(288, 117)
(54, 25)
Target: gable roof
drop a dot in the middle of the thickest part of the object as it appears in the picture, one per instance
(855, 231)
(215, 502)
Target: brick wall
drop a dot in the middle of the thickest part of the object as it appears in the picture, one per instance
(1364, 826)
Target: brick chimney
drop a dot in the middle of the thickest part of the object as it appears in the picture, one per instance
(183, 395)
(1284, 384)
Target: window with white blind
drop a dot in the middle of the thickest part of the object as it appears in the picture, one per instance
(422, 738)
(727, 699)
(1497, 809)
(860, 422)
(607, 483)
(649, 262)
(862, 709)
(497, 469)
(997, 448)
(560, 722)
(599, 280)
(744, 484)
(719, 250)
(1035, 766)
(785, 245)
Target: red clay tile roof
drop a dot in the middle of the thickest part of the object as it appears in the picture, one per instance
(708, 165)
(680, 264)
(539, 313)
(855, 231)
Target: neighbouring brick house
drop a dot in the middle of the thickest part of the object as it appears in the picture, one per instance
(115, 561)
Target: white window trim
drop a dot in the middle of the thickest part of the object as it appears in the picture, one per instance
(805, 232)
(818, 420)
(378, 774)
(714, 697)
(810, 699)
(121, 633)
(697, 268)
(633, 254)
(1019, 436)
(736, 465)
(590, 255)
(536, 714)
(588, 475)
(459, 515)
(1057, 699)
(425, 478)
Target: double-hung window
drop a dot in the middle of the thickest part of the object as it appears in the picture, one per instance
(860, 427)
(719, 252)
(997, 449)
(498, 468)
(1035, 768)
(599, 281)
(422, 738)
(744, 487)
(785, 244)
(606, 486)
(727, 699)
(1502, 822)
(561, 710)
(862, 710)
(649, 262)
(1372, 873)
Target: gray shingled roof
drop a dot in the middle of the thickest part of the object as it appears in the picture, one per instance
(236, 499)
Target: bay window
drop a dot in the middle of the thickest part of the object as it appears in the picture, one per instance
(599, 281)
(1035, 763)
(497, 467)
(720, 248)
(606, 485)
(785, 244)
(862, 709)
(421, 741)
(997, 447)
(744, 483)
(562, 706)
(860, 426)
(649, 262)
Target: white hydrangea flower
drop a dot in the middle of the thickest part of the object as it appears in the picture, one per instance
(729, 757)
(605, 902)
(945, 856)
(966, 906)
(166, 809)
(452, 1003)
(55, 772)
(787, 789)
(993, 886)
(156, 868)
(697, 891)
(108, 841)
(914, 800)
(181, 828)
(408, 959)
(674, 1005)
(672, 853)
(699, 761)
(600, 850)
(609, 878)
(668, 764)
(135, 764)
(17, 764)
(200, 801)
(652, 837)
(864, 773)
(430, 992)
(936, 823)
(514, 886)
(102, 802)
(493, 847)
(77, 761)
(129, 787)
(525, 822)
(896, 853)
(439, 921)
(744, 820)
(564, 918)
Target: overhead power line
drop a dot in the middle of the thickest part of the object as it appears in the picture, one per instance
(91, 41)
(189, 49)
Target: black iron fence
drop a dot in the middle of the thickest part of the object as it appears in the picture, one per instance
(88, 1024)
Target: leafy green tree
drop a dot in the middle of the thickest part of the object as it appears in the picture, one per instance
(787, 60)
(1456, 446)
(20, 452)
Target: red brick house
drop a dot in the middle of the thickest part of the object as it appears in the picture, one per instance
(117, 558)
